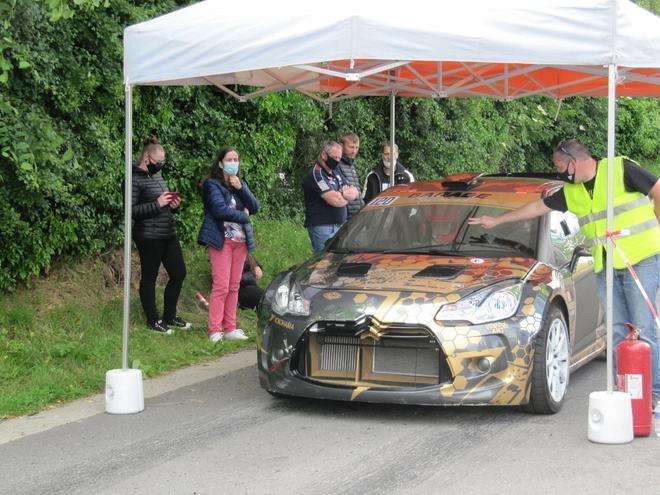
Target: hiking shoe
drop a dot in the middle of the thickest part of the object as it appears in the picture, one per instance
(160, 327)
(179, 323)
(236, 335)
(215, 337)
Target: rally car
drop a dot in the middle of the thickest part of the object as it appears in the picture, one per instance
(410, 304)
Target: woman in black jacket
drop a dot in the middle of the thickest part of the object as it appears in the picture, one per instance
(154, 233)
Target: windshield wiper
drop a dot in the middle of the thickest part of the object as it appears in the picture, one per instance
(342, 251)
(430, 249)
(499, 242)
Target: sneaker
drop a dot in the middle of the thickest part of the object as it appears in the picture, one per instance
(215, 337)
(160, 327)
(236, 335)
(179, 323)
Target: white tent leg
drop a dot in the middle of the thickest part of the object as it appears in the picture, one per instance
(128, 177)
(611, 128)
(610, 413)
(124, 392)
(392, 142)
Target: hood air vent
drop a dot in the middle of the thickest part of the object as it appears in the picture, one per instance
(353, 269)
(440, 271)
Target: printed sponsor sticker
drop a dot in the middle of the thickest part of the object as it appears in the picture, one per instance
(476, 261)
(384, 201)
(281, 322)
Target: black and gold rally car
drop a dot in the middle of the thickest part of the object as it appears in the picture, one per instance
(411, 304)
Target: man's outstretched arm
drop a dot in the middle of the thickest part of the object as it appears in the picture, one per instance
(525, 212)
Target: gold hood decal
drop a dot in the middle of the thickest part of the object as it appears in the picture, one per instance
(401, 272)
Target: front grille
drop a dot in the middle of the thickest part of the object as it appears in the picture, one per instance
(366, 353)
(338, 353)
(406, 358)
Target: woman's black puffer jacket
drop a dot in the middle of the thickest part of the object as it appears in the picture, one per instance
(150, 221)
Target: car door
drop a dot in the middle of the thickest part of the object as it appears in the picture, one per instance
(580, 280)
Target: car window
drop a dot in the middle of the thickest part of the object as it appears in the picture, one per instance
(431, 227)
(564, 235)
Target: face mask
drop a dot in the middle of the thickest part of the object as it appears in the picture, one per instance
(331, 162)
(231, 168)
(566, 176)
(155, 167)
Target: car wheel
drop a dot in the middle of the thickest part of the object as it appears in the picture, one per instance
(551, 367)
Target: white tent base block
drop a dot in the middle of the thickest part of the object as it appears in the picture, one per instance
(124, 393)
(610, 417)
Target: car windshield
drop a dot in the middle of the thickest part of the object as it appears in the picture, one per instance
(435, 229)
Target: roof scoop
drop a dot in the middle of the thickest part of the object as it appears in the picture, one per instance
(353, 269)
(440, 271)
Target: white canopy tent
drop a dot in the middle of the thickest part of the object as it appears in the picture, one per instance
(505, 49)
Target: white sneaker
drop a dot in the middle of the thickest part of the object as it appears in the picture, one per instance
(236, 335)
(215, 337)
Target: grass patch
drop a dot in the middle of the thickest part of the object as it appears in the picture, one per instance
(59, 336)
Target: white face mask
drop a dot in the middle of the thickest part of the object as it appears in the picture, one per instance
(231, 168)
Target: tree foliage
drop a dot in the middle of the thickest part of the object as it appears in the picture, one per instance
(62, 132)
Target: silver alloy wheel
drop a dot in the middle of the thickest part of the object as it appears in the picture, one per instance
(556, 360)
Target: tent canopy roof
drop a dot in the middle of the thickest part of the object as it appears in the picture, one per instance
(505, 49)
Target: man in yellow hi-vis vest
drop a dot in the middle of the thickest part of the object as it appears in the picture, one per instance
(636, 209)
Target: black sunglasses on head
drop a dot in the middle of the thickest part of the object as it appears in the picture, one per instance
(560, 147)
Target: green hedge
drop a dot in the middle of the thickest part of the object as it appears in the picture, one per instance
(62, 134)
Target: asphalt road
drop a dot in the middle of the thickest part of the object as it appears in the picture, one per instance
(226, 435)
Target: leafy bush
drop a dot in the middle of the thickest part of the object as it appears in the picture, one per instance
(62, 133)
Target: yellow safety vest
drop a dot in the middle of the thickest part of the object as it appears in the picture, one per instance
(632, 211)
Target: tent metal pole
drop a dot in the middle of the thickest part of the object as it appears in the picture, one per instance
(392, 142)
(611, 120)
(128, 188)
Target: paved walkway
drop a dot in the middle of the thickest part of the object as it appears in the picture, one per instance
(12, 429)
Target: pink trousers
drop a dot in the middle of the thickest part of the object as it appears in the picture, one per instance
(226, 270)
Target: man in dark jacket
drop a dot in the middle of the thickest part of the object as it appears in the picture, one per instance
(350, 145)
(327, 193)
(379, 178)
(154, 233)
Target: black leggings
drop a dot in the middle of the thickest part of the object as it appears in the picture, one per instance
(153, 252)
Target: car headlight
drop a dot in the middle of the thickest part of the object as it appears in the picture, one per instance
(289, 298)
(484, 306)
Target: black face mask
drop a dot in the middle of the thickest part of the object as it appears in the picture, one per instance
(155, 167)
(566, 177)
(331, 162)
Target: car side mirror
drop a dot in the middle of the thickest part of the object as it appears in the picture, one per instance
(579, 251)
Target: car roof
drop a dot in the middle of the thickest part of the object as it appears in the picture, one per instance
(506, 190)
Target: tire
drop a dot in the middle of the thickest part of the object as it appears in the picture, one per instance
(551, 366)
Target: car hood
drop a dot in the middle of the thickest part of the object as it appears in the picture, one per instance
(409, 272)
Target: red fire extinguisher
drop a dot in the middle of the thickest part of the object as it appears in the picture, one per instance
(634, 376)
